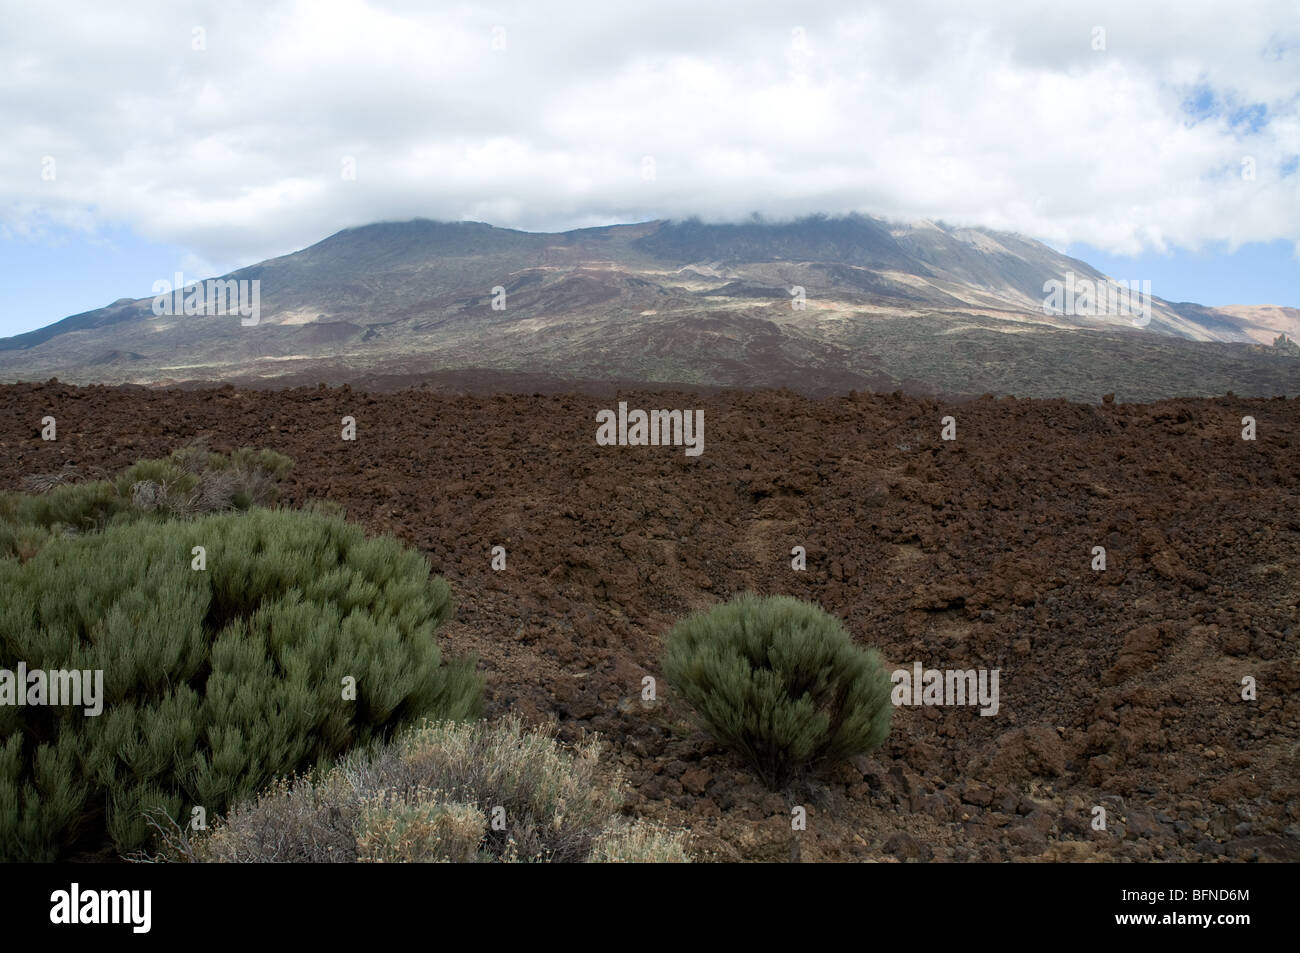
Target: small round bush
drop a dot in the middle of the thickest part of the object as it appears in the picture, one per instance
(216, 677)
(781, 682)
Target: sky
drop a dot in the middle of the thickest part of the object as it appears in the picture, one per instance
(1155, 140)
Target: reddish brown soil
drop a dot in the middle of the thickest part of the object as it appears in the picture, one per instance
(1119, 688)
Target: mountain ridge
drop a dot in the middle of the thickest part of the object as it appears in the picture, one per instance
(682, 301)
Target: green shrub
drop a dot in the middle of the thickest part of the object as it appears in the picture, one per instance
(191, 482)
(781, 682)
(431, 795)
(75, 506)
(215, 681)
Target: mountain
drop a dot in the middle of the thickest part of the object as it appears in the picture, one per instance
(922, 307)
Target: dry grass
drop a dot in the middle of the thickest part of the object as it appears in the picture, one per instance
(445, 792)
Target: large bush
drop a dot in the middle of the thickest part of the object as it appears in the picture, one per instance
(215, 680)
(781, 682)
(432, 795)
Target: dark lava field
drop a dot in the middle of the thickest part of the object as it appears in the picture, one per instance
(1120, 688)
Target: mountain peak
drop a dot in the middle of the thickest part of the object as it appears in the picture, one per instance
(818, 302)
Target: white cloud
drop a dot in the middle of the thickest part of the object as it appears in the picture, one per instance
(972, 112)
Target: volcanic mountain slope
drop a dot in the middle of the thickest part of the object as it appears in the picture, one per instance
(921, 307)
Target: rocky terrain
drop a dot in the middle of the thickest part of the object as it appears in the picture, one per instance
(1120, 688)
